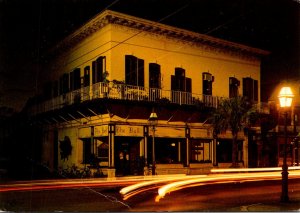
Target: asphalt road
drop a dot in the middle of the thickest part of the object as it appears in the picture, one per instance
(235, 196)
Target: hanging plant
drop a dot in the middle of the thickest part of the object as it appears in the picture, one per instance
(105, 76)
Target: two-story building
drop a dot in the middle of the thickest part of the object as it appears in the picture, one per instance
(101, 83)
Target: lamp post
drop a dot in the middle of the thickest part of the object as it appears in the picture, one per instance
(285, 99)
(153, 120)
(296, 149)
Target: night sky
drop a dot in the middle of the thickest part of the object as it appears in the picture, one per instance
(29, 27)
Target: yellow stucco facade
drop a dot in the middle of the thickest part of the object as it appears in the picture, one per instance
(115, 35)
(114, 41)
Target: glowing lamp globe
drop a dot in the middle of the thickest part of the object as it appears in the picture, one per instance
(285, 97)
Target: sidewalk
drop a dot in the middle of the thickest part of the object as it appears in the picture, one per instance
(292, 205)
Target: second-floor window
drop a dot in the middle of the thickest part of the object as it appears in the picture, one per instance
(98, 68)
(75, 79)
(207, 80)
(234, 84)
(250, 89)
(134, 71)
(179, 82)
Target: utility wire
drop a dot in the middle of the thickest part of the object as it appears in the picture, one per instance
(134, 35)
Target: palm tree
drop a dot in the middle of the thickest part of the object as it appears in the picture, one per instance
(232, 114)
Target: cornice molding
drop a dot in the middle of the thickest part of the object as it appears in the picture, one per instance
(112, 17)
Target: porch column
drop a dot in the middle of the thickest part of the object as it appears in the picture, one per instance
(111, 144)
(214, 152)
(111, 171)
(94, 145)
(187, 136)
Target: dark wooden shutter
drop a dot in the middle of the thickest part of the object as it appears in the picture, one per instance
(61, 85)
(207, 83)
(72, 81)
(180, 78)
(131, 70)
(188, 84)
(77, 78)
(154, 75)
(233, 87)
(179, 72)
(140, 72)
(93, 72)
(248, 88)
(99, 69)
(87, 76)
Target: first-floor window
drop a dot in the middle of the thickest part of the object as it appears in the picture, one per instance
(94, 151)
(167, 150)
(200, 151)
(102, 151)
(87, 150)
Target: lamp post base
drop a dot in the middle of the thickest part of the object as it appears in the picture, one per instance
(284, 192)
(153, 168)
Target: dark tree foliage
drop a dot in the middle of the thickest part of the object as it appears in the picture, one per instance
(65, 148)
(232, 114)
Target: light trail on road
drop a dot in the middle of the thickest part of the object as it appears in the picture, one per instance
(78, 183)
(168, 188)
(178, 183)
(137, 188)
(69, 183)
(253, 169)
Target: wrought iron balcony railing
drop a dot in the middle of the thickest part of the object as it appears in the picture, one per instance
(123, 92)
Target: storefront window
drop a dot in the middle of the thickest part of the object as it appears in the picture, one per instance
(167, 151)
(87, 150)
(200, 151)
(224, 151)
(102, 151)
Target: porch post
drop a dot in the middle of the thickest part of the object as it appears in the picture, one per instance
(111, 143)
(245, 151)
(111, 172)
(94, 145)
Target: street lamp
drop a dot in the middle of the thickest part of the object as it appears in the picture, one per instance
(285, 99)
(153, 120)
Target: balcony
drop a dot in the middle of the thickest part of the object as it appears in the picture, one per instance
(123, 92)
